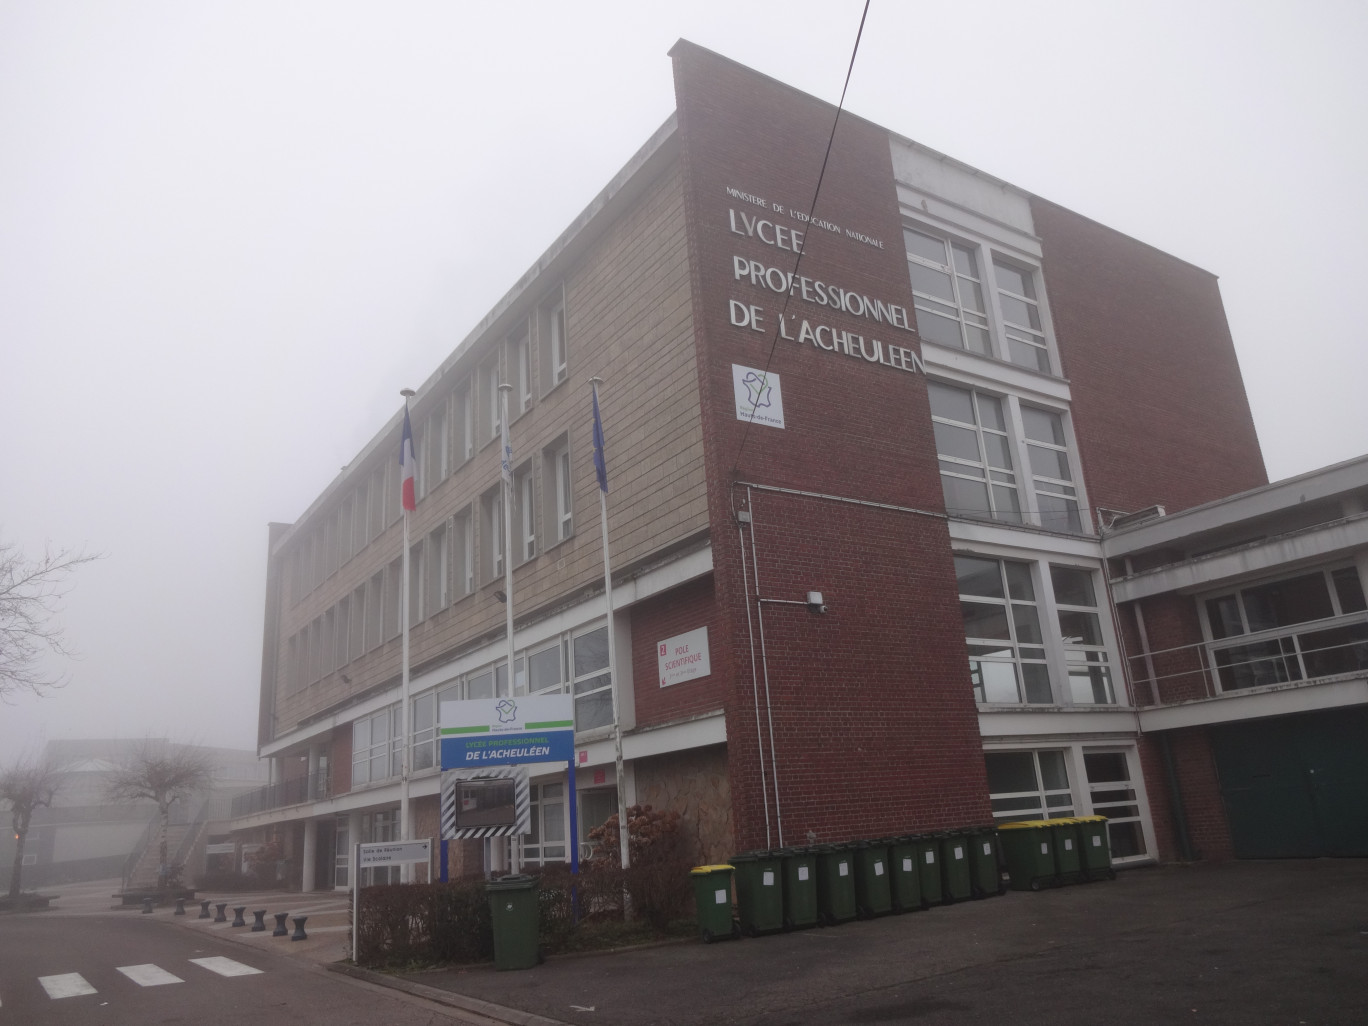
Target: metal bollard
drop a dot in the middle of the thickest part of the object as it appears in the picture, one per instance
(221, 918)
(237, 915)
(299, 933)
(204, 909)
(147, 906)
(260, 924)
(281, 929)
(180, 907)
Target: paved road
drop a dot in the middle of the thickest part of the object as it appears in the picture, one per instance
(124, 970)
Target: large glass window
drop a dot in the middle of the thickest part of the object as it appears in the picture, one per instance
(1002, 627)
(970, 298)
(376, 753)
(593, 684)
(983, 439)
(552, 341)
(546, 840)
(1112, 795)
(557, 497)
(1029, 785)
(1279, 647)
(1080, 629)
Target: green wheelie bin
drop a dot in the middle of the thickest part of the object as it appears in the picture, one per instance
(1092, 837)
(956, 876)
(983, 860)
(835, 884)
(904, 882)
(1067, 851)
(712, 894)
(798, 870)
(873, 896)
(514, 912)
(1028, 847)
(759, 892)
(928, 869)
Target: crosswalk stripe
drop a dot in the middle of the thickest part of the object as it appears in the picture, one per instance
(148, 975)
(224, 966)
(65, 985)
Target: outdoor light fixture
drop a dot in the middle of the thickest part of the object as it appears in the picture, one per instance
(815, 603)
(501, 596)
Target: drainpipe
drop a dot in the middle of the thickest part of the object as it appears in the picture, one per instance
(1180, 826)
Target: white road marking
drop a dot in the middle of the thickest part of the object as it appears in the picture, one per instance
(148, 975)
(65, 985)
(225, 966)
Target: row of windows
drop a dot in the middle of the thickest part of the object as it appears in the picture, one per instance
(533, 358)
(1015, 656)
(442, 570)
(575, 662)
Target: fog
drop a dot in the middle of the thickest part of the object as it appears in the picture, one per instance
(231, 232)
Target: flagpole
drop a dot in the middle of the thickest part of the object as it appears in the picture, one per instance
(601, 467)
(506, 470)
(404, 817)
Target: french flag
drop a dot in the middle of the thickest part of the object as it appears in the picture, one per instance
(407, 494)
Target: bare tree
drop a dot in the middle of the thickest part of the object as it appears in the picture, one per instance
(162, 776)
(26, 786)
(31, 590)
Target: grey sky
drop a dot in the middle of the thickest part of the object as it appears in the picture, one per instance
(231, 232)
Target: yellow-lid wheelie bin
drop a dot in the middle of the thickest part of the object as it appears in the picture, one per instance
(798, 870)
(759, 893)
(835, 884)
(1028, 847)
(1067, 851)
(1092, 837)
(873, 896)
(712, 895)
(904, 882)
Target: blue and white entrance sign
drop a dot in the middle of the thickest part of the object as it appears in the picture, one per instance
(507, 731)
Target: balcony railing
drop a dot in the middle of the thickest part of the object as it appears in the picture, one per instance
(1288, 655)
(277, 796)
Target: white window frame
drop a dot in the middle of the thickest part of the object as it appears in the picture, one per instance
(553, 340)
(557, 491)
(524, 513)
(383, 748)
(990, 256)
(492, 524)
(1029, 484)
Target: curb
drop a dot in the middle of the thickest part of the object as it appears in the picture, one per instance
(498, 1013)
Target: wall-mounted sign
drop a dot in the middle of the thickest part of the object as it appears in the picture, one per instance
(758, 398)
(492, 802)
(394, 853)
(507, 731)
(683, 657)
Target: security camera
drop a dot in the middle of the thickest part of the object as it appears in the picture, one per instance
(815, 603)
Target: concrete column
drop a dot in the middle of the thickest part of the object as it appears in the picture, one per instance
(310, 855)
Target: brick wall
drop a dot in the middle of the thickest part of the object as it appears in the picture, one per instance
(1158, 403)
(677, 611)
(874, 721)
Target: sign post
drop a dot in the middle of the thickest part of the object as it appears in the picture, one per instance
(383, 853)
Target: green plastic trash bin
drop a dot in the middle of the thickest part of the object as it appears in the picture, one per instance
(956, 876)
(1092, 836)
(798, 868)
(1028, 847)
(986, 870)
(835, 884)
(712, 895)
(514, 913)
(928, 869)
(904, 882)
(872, 894)
(759, 893)
(1067, 851)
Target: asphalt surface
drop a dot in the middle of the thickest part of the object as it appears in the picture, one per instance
(1246, 942)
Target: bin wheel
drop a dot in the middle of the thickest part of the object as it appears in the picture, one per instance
(743, 931)
(736, 931)
(1035, 885)
(707, 937)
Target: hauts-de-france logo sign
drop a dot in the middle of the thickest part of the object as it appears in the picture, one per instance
(507, 731)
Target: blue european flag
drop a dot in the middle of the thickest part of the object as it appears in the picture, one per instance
(600, 464)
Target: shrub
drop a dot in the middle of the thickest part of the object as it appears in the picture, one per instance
(657, 877)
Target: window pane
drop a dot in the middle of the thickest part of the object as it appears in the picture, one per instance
(961, 443)
(935, 283)
(545, 668)
(941, 330)
(965, 498)
(982, 620)
(1010, 772)
(1049, 462)
(951, 403)
(1073, 587)
(1026, 355)
(1027, 624)
(1338, 650)
(1014, 280)
(1280, 603)
(998, 451)
(1015, 311)
(1042, 426)
(1126, 839)
(965, 261)
(591, 651)
(978, 577)
(1058, 514)
(1079, 628)
(1037, 677)
(1350, 590)
(594, 710)
(1053, 771)
(926, 246)
(994, 682)
(1019, 582)
(482, 685)
(1224, 615)
(1008, 504)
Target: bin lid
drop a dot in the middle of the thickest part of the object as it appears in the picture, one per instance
(1026, 824)
(704, 870)
(517, 882)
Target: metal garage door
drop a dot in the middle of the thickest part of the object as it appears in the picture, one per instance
(1296, 786)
